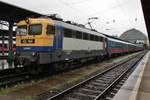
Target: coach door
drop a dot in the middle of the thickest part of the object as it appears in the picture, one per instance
(58, 37)
(105, 43)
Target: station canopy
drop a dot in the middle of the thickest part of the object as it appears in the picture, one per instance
(12, 13)
(146, 11)
(6, 33)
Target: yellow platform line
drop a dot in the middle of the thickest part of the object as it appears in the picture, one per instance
(138, 82)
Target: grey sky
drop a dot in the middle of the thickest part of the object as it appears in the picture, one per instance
(115, 16)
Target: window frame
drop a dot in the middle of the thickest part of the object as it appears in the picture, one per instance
(68, 34)
(25, 28)
(92, 37)
(96, 37)
(85, 36)
(54, 31)
(32, 33)
(101, 39)
(79, 35)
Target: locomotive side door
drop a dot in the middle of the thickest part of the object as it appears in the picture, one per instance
(55, 32)
(58, 37)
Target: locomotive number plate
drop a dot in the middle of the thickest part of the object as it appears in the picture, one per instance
(28, 41)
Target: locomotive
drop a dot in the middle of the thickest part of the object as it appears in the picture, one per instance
(44, 40)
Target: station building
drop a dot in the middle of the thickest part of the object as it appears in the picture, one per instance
(135, 36)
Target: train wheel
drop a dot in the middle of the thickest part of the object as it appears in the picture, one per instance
(15, 65)
(58, 66)
(34, 69)
(61, 66)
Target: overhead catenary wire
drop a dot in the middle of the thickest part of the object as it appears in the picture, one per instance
(109, 9)
(78, 2)
(125, 14)
(82, 13)
(95, 13)
(69, 6)
(119, 5)
(98, 13)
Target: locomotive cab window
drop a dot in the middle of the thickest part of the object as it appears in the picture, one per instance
(50, 29)
(22, 30)
(35, 29)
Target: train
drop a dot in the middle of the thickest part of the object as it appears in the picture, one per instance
(6, 46)
(117, 46)
(46, 40)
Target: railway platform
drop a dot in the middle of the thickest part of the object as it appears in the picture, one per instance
(137, 86)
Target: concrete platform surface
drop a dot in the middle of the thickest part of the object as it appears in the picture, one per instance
(144, 89)
(137, 86)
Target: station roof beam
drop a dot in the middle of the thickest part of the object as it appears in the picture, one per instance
(12, 14)
(146, 11)
(9, 12)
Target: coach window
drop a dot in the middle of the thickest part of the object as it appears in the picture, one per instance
(91, 37)
(14, 45)
(96, 38)
(74, 34)
(0, 46)
(101, 39)
(5, 45)
(85, 36)
(67, 33)
(50, 29)
(78, 35)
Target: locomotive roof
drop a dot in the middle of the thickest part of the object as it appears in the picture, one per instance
(84, 29)
(78, 28)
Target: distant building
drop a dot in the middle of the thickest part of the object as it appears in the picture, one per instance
(135, 36)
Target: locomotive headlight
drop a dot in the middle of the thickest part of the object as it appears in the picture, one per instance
(16, 54)
(27, 20)
(33, 54)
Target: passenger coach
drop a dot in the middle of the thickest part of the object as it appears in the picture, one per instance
(116, 46)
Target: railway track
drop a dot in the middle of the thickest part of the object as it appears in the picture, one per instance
(12, 79)
(101, 86)
(12, 76)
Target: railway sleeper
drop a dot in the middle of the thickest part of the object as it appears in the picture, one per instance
(94, 88)
(103, 81)
(97, 83)
(88, 92)
(91, 90)
(83, 96)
